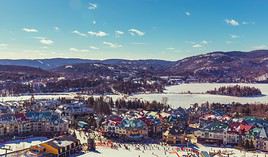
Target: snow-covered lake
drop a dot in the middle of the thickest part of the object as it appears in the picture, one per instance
(37, 96)
(176, 99)
(174, 96)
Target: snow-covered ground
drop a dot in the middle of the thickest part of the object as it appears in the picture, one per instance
(174, 95)
(234, 152)
(16, 145)
(128, 153)
(151, 150)
(156, 150)
(203, 87)
(38, 96)
(165, 151)
(176, 99)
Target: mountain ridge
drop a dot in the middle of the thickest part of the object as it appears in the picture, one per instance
(231, 66)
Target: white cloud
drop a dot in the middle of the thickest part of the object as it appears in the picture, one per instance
(260, 47)
(170, 48)
(233, 36)
(78, 50)
(94, 48)
(187, 13)
(73, 49)
(112, 45)
(79, 33)
(119, 33)
(204, 42)
(137, 32)
(197, 46)
(228, 42)
(30, 30)
(98, 34)
(137, 43)
(56, 28)
(92, 6)
(232, 22)
(3, 45)
(46, 41)
(248, 23)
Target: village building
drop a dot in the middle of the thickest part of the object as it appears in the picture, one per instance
(62, 146)
(32, 123)
(174, 135)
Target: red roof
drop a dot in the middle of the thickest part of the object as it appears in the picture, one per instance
(116, 118)
(245, 127)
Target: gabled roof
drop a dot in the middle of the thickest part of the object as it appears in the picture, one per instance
(263, 133)
(62, 141)
(244, 128)
(176, 131)
(216, 126)
(133, 123)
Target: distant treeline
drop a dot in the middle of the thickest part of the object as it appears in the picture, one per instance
(238, 91)
(82, 85)
(104, 105)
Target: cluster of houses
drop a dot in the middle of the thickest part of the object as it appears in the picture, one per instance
(219, 129)
(74, 109)
(171, 126)
(39, 117)
(31, 123)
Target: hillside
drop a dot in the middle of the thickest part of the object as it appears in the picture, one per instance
(224, 66)
(234, 66)
(118, 68)
(58, 62)
(13, 72)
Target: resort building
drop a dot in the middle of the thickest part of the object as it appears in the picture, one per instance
(174, 135)
(133, 129)
(32, 123)
(74, 109)
(62, 146)
(217, 133)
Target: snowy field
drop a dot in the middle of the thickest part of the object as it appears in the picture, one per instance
(107, 152)
(156, 150)
(176, 98)
(167, 152)
(16, 145)
(38, 96)
(203, 87)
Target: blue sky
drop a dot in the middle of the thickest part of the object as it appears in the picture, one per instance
(132, 29)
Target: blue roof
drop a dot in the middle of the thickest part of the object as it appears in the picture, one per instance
(43, 116)
(136, 123)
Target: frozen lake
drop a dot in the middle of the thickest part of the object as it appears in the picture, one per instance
(176, 99)
(175, 96)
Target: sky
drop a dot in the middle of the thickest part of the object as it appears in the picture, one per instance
(130, 29)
